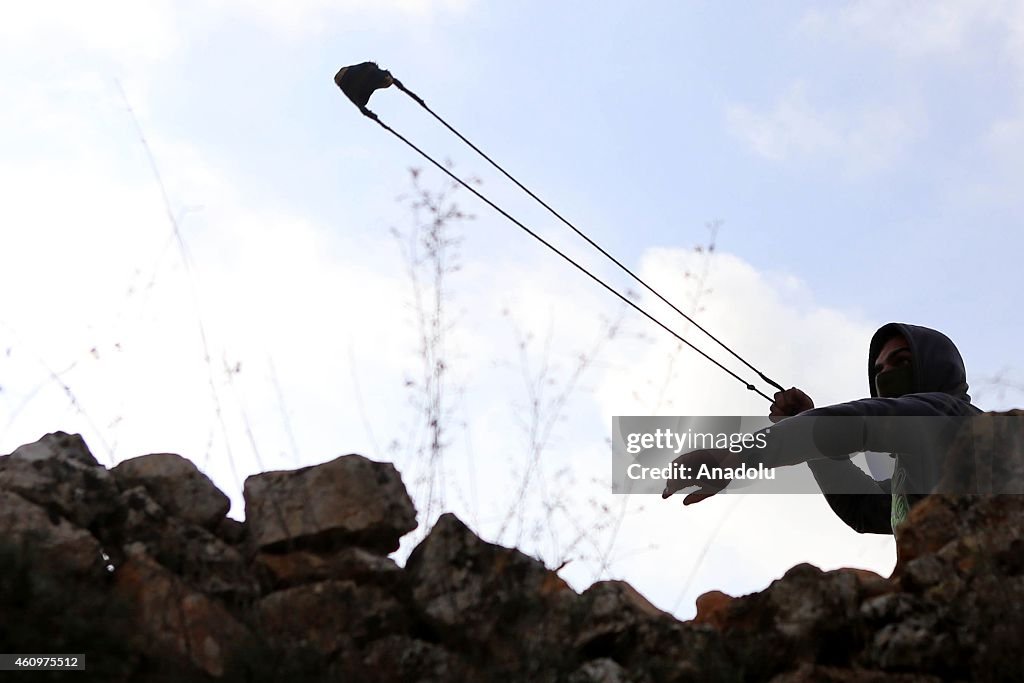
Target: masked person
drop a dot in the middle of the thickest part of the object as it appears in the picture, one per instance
(913, 371)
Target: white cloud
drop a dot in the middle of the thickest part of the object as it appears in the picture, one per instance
(919, 28)
(794, 129)
(122, 29)
(770, 320)
(137, 34)
(298, 18)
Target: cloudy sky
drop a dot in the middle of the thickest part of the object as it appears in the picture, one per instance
(199, 251)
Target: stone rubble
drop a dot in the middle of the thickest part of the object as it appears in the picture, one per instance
(139, 567)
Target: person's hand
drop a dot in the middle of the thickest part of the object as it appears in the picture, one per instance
(788, 403)
(692, 461)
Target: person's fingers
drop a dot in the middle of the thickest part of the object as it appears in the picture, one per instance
(676, 484)
(698, 496)
(788, 403)
(690, 463)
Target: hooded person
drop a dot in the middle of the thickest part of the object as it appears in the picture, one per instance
(932, 384)
(913, 372)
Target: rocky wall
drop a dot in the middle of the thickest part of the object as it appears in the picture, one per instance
(139, 567)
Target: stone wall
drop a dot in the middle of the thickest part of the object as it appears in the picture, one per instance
(139, 567)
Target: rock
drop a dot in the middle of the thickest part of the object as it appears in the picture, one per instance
(809, 603)
(612, 607)
(614, 622)
(348, 501)
(924, 572)
(175, 621)
(330, 616)
(986, 456)
(811, 673)
(401, 658)
(712, 608)
(528, 624)
(471, 590)
(806, 616)
(602, 670)
(58, 472)
(931, 524)
(301, 567)
(178, 485)
(29, 528)
(886, 608)
(69, 448)
(912, 644)
(195, 555)
(231, 531)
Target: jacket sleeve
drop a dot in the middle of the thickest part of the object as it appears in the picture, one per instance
(798, 439)
(857, 499)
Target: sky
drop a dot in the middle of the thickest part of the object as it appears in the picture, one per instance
(205, 248)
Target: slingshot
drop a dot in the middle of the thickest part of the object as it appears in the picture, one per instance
(359, 82)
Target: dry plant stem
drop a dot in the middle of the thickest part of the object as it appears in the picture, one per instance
(286, 419)
(187, 263)
(430, 253)
(700, 291)
(1000, 382)
(547, 398)
(57, 377)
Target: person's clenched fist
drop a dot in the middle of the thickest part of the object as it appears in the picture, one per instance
(789, 403)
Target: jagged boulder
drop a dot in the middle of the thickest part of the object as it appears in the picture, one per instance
(30, 528)
(350, 500)
(612, 608)
(497, 598)
(614, 623)
(330, 616)
(177, 485)
(403, 658)
(174, 621)
(201, 559)
(59, 473)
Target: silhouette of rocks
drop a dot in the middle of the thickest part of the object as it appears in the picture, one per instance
(175, 621)
(350, 500)
(59, 473)
(177, 485)
(139, 568)
(26, 525)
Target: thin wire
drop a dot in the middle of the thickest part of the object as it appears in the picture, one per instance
(579, 232)
(460, 181)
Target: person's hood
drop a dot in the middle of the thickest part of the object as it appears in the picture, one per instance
(937, 363)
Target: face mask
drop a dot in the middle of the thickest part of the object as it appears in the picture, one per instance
(896, 382)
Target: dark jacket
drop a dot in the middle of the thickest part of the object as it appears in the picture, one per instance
(940, 390)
